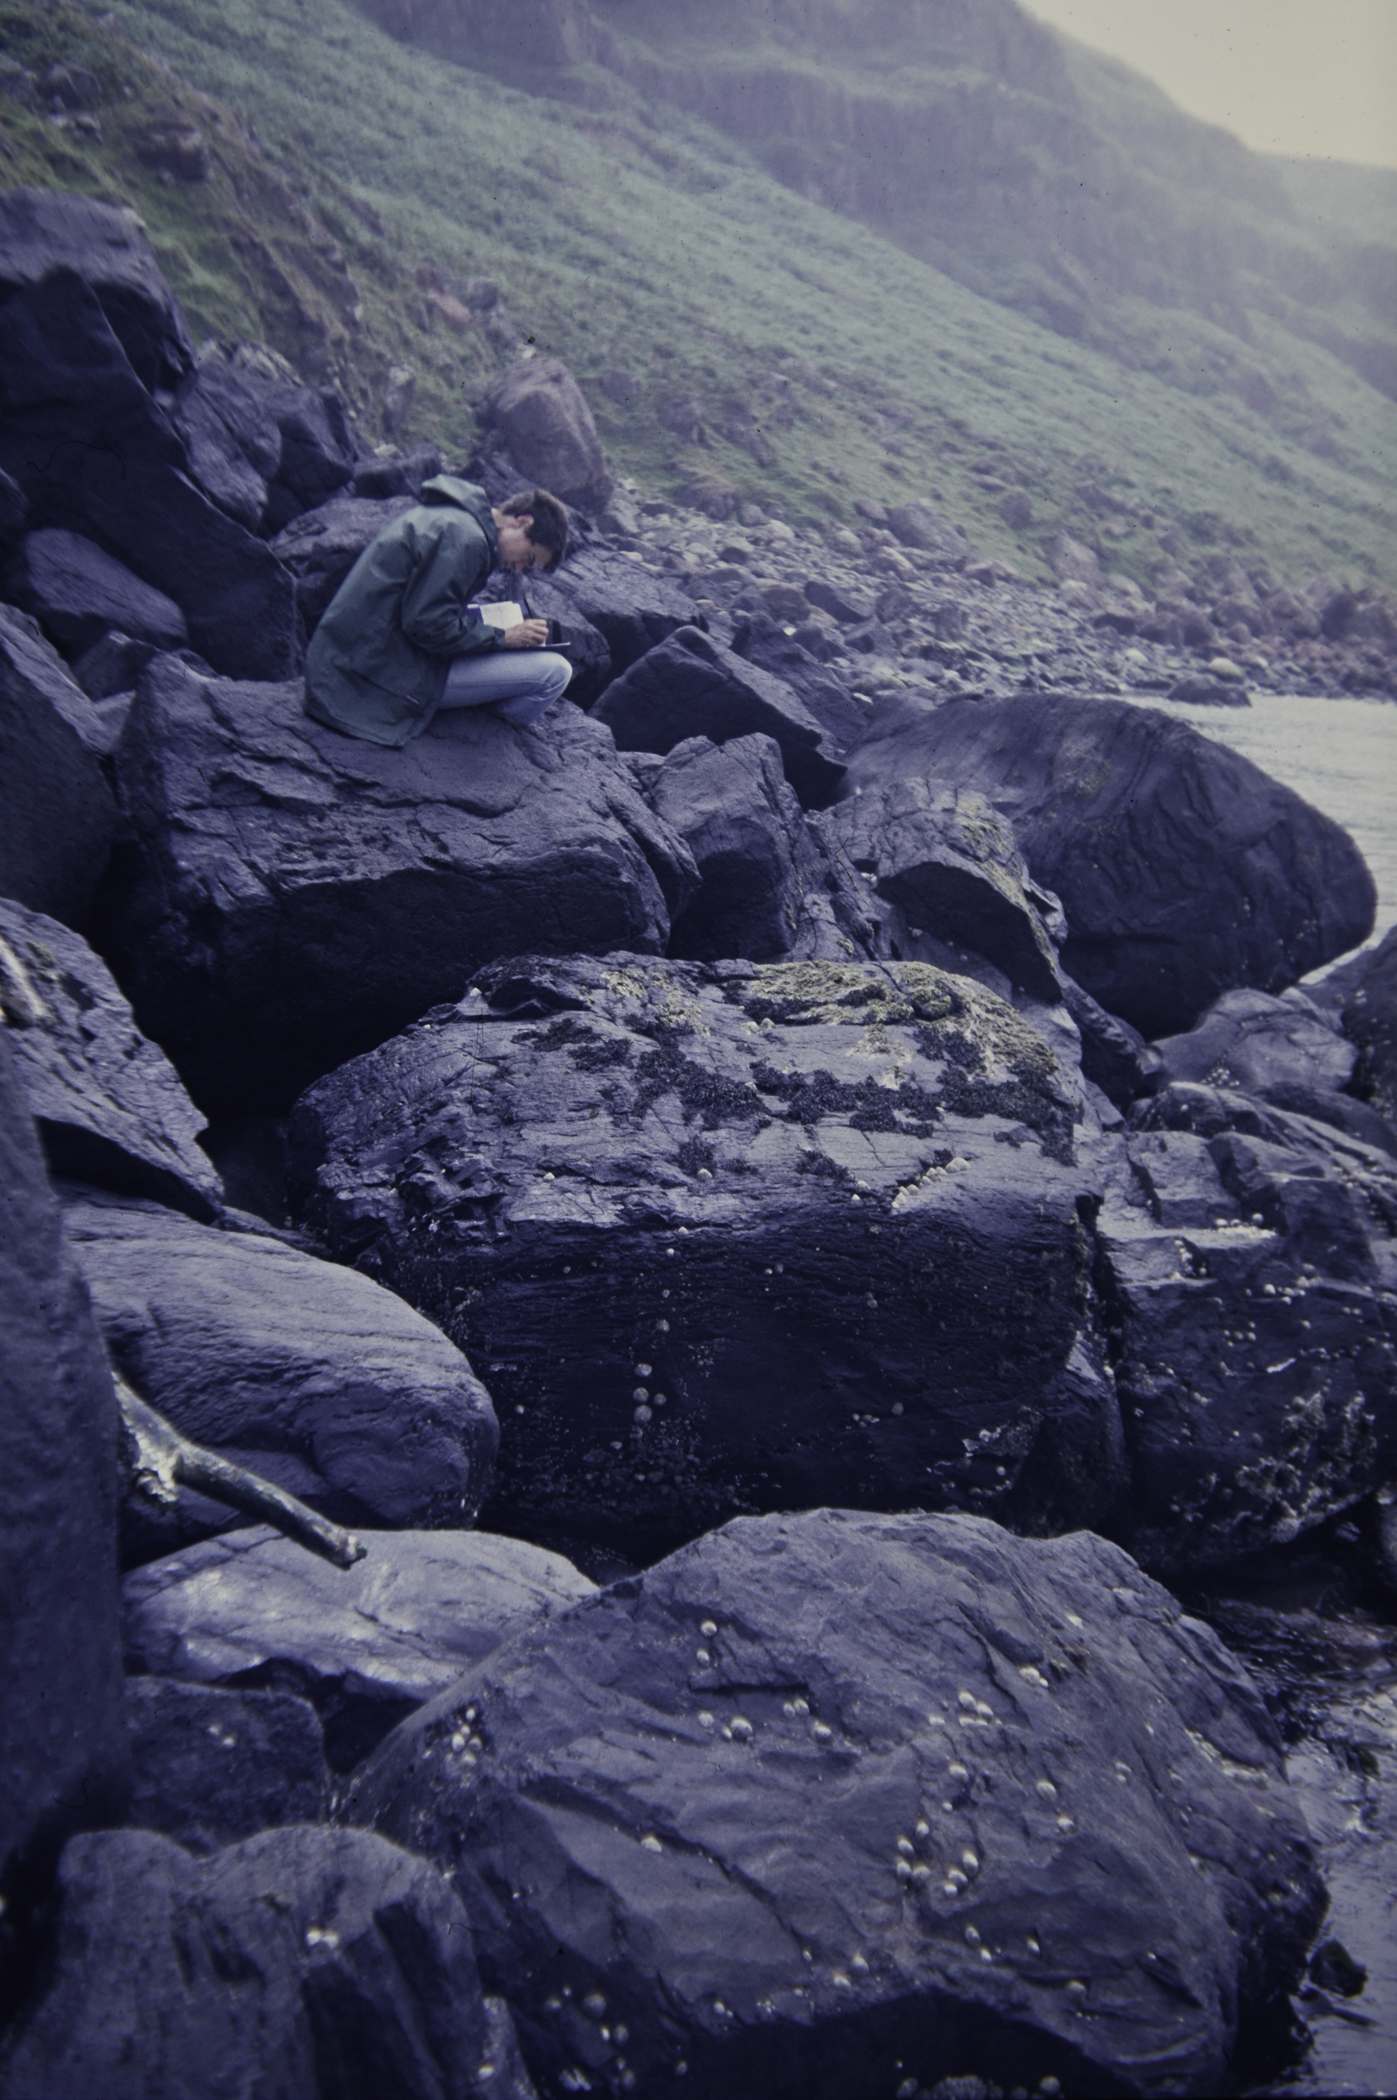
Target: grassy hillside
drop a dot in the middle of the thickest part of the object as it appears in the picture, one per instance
(636, 242)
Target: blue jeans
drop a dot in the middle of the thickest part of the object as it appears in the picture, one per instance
(519, 683)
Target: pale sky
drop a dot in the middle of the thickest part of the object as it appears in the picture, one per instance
(1288, 76)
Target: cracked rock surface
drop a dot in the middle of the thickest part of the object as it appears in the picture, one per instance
(296, 1368)
(108, 1102)
(365, 1644)
(285, 896)
(816, 1227)
(825, 1801)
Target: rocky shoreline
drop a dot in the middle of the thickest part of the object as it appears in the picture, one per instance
(821, 1137)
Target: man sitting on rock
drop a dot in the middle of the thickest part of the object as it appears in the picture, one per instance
(401, 638)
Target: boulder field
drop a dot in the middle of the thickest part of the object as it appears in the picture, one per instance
(781, 1201)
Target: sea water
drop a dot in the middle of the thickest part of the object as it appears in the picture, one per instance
(1341, 755)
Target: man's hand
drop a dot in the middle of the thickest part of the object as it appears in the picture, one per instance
(526, 634)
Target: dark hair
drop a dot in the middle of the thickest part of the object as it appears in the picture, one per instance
(550, 520)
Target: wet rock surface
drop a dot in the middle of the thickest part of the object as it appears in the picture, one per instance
(857, 1800)
(1183, 869)
(949, 862)
(304, 1960)
(691, 686)
(65, 380)
(63, 1758)
(57, 815)
(366, 1645)
(769, 886)
(284, 896)
(108, 1102)
(816, 1227)
(300, 1370)
(1247, 1259)
(76, 593)
(210, 1767)
(46, 231)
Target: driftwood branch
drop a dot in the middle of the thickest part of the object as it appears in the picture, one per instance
(159, 1462)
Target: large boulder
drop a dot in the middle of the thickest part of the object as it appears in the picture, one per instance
(365, 1645)
(108, 1102)
(538, 410)
(1284, 1050)
(63, 1760)
(317, 447)
(631, 606)
(305, 1372)
(285, 896)
(97, 456)
(842, 1805)
(76, 593)
(305, 1961)
(231, 435)
(321, 546)
(769, 886)
(691, 685)
(1183, 869)
(732, 1236)
(57, 816)
(919, 524)
(951, 865)
(44, 231)
(1248, 1270)
(210, 1767)
(759, 639)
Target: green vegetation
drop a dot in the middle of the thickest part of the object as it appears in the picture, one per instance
(635, 240)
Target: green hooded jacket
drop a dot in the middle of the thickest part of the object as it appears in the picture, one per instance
(378, 660)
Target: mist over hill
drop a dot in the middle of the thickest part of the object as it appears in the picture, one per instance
(796, 253)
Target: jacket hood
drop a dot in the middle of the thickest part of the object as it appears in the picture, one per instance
(465, 495)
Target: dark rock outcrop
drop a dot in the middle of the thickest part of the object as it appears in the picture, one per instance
(830, 1803)
(45, 231)
(1248, 1264)
(1282, 1050)
(57, 816)
(814, 1226)
(109, 1104)
(321, 546)
(366, 1645)
(538, 410)
(1183, 869)
(943, 856)
(691, 686)
(76, 593)
(286, 896)
(209, 1768)
(1115, 1056)
(296, 1368)
(770, 888)
(231, 435)
(95, 455)
(631, 606)
(759, 639)
(63, 1760)
(308, 1961)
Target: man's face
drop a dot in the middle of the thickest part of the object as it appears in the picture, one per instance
(517, 550)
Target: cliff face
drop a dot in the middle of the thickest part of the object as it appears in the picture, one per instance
(1036, 172)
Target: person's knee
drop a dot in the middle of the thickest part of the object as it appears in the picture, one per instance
(559, 675)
